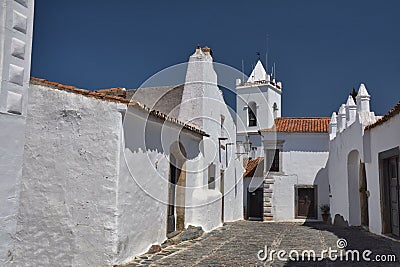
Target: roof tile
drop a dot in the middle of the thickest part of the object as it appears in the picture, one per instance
(394, 111)
(251, 166)
(115, 99)
(300, 125)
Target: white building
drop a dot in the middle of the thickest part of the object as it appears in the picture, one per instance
(83, 201)
(296, 179)
(258, 103)
(381, 155)
(95, 179)
(363, 166)
(286, 177)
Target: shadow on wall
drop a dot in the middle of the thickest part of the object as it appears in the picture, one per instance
(340, 221)
(321, 182)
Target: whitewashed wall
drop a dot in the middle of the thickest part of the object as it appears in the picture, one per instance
(67, 213)
(93, 194)
(304, 158)
(346, 152)
(378, 139)
(339, 149)
(15, 56)
(203, 105)
(143, 184)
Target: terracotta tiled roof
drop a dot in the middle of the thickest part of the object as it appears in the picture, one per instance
(300, 125)
(113, 91)
(116, 99)
(394, 111)
(252, 166)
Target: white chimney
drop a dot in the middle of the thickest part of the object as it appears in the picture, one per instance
(342, 118)
(363, 99)
(351, 111)
(333, 126)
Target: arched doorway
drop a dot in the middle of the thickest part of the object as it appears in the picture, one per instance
(353, 173)
(176, 188)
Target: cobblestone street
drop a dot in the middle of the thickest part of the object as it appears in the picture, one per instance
(237, 244)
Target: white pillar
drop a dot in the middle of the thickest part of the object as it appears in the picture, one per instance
(351, 111)
(342, 118)
(16, 26)
(333, 126)
(363, 99)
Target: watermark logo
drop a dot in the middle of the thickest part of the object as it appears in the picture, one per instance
(341, 243)
(331, 254)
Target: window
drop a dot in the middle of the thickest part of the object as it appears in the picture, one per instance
(223, 134)
(252, 114)
(273, 159)
(275, 109)
(211, 176)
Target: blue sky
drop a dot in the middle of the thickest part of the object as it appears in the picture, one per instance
(322, 49)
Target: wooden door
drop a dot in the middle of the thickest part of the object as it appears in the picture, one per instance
(363, 196)
(171, 197)
(306, 202)
(392, 173)
(255, 204)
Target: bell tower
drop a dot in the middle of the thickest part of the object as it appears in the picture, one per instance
(258, 103)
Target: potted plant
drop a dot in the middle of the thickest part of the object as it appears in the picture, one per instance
(325, 211)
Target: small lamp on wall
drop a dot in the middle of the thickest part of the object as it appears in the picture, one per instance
(247, 146)
(219, 145)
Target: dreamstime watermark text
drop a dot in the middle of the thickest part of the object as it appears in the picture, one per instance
(331, 254)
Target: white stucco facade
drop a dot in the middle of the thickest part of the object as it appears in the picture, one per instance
(359, 142)
(144, 181)
(303, 159)
(356, 167)
(67, 212)
(16, 26)
(95, 185)
(94, 188)
(213, 116)
(87, 182)
(349, 141)
(377, 140)
(346, 153)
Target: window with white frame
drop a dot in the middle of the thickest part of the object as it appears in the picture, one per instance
(252, 114)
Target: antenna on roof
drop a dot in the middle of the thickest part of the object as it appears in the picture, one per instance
(243, 70)
(258, 54)
(274, 71)
(266, 57)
